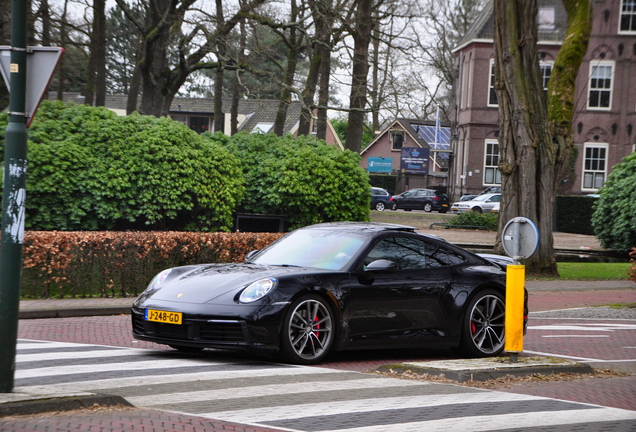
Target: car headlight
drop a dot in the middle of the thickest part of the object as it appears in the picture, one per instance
(157, 280)
(257, 290)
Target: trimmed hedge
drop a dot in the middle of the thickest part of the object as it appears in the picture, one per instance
(574, 214)
(302, 178)
(89, 169)
(489, 220)
(107, 264)
(384, 181)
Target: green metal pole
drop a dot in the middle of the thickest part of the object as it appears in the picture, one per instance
(13, 199)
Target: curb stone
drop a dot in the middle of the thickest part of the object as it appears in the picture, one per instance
(38, 406)
(481, 372)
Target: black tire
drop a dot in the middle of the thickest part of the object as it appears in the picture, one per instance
(476, 210)
(427, 207)
(186, 349)
(379, 206)
(483, 325)
(308, 341)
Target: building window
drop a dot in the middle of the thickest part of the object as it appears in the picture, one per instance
(546, 72)
(600, 85)
(545, 18)
(492, 176)
(594, 166)
(397, 139)
(492, 94)
(628, 16)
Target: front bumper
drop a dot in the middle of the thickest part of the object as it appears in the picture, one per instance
(231, 333)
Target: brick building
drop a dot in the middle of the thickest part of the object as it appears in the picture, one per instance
(605, 96)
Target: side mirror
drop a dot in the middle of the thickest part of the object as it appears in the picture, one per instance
(381, 265)
(251, 255)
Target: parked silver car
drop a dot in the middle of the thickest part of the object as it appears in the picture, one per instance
(480, 204)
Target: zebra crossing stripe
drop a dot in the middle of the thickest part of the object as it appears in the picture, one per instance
(116, 352)
(273, 389)
(261, 415)
(176, 377)
(487, 423)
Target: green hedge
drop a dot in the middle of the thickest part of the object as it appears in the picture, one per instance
(574, 214)
(302, 178)
(384, 181)
(488, 220)
(89, 169)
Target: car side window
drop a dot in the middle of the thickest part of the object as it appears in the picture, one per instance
(496, 198)
(406, 253)
(409, 193)
(422, 193)
(437, 256)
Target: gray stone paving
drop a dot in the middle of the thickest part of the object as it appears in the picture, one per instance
(601, 312)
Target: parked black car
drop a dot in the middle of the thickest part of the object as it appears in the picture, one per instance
(332, 286)
(380, 199)
(421, 199)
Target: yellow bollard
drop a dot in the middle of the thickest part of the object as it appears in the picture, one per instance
(515, 280)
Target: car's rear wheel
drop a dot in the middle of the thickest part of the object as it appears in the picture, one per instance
(379, 206)
(476, 210)
(427, 207)
(394, 207)
(483, 331)
(308, 331)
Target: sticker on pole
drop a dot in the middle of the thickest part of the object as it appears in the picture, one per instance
(520, 238)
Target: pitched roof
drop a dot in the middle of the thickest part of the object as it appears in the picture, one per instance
(257, 110)
(417, 130)
(484, 26)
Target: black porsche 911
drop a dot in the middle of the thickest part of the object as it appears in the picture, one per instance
(333, 286)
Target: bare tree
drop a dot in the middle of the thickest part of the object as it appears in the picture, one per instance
(535, 138)
(96, 80)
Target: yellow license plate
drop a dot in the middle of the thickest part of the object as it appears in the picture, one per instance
(164, 317)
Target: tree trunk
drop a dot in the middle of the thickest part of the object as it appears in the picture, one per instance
(358, 98)
(45, 14)
(219, 117)
(532, 157)
(61, 65)
(135, 83)
(309, 92)
(323, 93)
(236, 87)
(99, 21)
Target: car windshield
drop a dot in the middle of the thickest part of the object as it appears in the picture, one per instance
(329, 250)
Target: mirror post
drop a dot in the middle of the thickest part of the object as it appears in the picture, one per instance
(13, 199)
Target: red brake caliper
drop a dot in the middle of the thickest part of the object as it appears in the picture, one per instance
(317, 327)
(473, 328)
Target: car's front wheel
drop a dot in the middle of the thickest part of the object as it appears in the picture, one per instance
(308, 331)
(428, 207)
(476, 210)
(379, 206)
(483, 331)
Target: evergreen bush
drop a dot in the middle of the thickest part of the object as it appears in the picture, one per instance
(302, 178)
(614, 218)
(89, 169)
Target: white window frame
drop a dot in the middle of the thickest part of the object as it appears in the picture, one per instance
(590, 145)
(491, 74)
(620, 17)
(497, 173)
(544, 64)
(603, 63)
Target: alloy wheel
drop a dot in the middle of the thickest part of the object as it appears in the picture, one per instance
(487, 324)
(310, 329)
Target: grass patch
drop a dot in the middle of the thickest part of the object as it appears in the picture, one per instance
(417, 220)
(593, 271)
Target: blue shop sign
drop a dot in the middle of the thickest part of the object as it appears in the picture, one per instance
(380, 164)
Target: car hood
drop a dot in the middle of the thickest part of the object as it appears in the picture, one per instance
(204, 283)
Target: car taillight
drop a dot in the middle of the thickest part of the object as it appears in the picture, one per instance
(436, 198)
(391, 199)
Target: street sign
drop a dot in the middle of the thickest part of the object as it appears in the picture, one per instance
(520, 238)
(41, 63)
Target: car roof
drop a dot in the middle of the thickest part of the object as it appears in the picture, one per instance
(361, 227)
